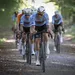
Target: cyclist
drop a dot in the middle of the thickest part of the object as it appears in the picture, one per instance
(19, 18)
(14, 21)
(26, 24)
(14, 18)
(40, 22)
(57, 21)
(18, 36)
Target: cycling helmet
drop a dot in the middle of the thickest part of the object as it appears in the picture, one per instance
(28, 11)
(41, 9)
(23, 11)
(56, 12)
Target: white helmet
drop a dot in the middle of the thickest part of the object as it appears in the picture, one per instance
(41, 9)
(56, 12)
(28, 11)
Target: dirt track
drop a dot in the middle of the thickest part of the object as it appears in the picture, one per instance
(11, 62)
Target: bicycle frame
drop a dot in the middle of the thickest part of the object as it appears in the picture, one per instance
(42, 51)
(27, 49)
(57, 39)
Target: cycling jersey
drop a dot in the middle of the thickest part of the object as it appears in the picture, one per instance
(26, 22)
(44, 20)
(14, 19)
(57, 20)
(19, 18)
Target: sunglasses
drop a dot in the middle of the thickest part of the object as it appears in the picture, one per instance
(27, 15)
(40, 14)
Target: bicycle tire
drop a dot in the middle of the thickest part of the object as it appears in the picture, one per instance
(29, 61)
(28, 51)
(57, 43)
(42, 57)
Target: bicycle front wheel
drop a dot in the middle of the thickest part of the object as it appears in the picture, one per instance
(57, 43)
(42, 59)
(28, 53)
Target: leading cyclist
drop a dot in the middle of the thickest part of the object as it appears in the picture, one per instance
(40, 22)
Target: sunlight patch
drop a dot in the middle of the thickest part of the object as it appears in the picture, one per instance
(11, 40)
(68, 37)
(3, 9)
(14, 49)
(60, 63)
(72, 45)
(21, 60)
(2, 39)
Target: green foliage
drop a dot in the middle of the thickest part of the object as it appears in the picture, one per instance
(68, 5)
(67, 8)
(7, 7)
(70, 32)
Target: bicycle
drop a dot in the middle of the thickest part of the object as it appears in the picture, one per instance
(42, 51)
(26, 48)
(57, 39)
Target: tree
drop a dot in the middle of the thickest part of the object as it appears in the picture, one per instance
(7, 7)
(67, 7)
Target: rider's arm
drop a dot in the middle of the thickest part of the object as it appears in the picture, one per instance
(48, 26)
(47, 21)
(61, 21)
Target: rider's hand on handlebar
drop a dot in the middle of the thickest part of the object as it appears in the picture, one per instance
(33, 31)
(50, 33)
(63, 30)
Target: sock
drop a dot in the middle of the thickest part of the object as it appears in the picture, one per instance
(32, 48)
(37, 54)
(61, 38)
(20, 44)
(23, 49)
(47, 48)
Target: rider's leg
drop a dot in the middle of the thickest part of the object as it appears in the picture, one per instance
(55, 30)
(37, 48)
(46, 38)
(61, 37)
(18, 41)
(20, 45)
(54, 48)
(32, 46)
(23, 44)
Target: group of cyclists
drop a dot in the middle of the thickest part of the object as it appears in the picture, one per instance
(28, 22)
